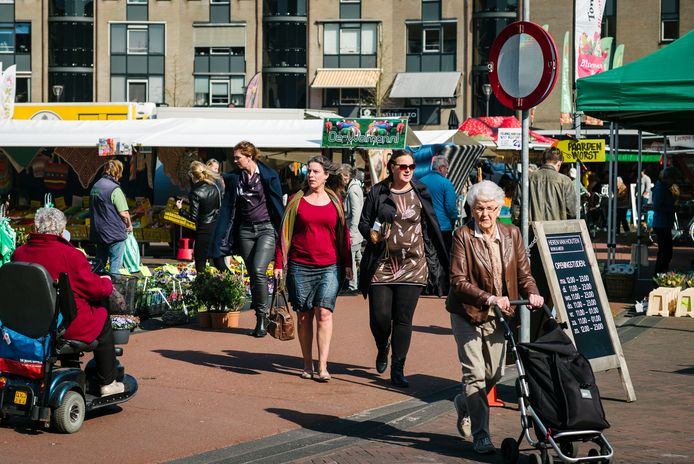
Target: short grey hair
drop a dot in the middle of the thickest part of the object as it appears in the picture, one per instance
(438, 161)
(346, 169)
(485, 191)
(49, 221)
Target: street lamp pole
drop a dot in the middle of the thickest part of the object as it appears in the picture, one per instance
(487, 91)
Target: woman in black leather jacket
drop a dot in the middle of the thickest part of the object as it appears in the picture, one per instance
(205, 200)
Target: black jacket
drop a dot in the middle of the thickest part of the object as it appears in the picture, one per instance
(224, 240)
(205, 200)
(379, 205)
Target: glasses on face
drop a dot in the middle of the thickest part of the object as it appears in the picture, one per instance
(485, 209)
(405, 167)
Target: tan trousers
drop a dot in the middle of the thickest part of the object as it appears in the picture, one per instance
(482, 351)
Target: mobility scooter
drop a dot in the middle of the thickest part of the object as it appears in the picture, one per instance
(40, 371)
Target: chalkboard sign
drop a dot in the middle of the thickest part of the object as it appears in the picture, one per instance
(586, 317)
(578, 295)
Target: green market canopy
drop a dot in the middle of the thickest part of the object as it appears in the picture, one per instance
(654, 93)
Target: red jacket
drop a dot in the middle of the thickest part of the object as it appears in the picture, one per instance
(57, 255)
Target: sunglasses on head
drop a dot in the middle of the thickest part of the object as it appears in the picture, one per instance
(404, 167)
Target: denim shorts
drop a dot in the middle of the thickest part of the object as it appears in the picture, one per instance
(312, 286)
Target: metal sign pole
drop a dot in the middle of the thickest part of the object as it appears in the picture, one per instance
(525, 157)
(577, 122)
(613, 154)
(639, 206)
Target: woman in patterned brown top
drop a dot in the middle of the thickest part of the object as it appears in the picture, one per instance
(404, 254)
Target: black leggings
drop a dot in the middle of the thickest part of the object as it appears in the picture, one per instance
(203, 235)
(391, 308)
(664, 237)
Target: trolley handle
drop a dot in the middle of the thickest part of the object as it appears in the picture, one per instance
(548, 311)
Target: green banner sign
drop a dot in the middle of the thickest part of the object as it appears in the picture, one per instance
(364, 133)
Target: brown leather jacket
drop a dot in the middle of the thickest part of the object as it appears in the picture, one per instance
(471, 280)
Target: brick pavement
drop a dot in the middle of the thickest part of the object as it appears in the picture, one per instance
(654, 429)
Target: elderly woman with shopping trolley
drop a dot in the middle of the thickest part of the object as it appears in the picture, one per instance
(489, 267)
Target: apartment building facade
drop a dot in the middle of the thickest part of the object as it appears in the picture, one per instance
(424, 59)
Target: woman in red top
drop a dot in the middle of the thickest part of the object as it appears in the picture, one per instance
(314, 248)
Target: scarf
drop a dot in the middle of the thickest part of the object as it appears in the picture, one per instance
(289, 219)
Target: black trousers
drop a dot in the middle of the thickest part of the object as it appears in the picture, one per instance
(105, 355)
(203, 236)
(447, 239)
(664, 238)
(391, 308)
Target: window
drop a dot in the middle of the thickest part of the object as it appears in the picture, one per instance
(350, 45)
(6, 11)
(23, 89)
(137, 41)
(136, 10)
(6, 38)
(220, 11)
(669, 20)
(609, 19)
(432, 40)
(431, 10)
(284, 8)
(350, 9)
(431, 47)
(219, 60)
(216, 91)
(137, 91)
(339, 97)
(219, 93)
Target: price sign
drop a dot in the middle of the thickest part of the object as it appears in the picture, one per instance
(579, 295)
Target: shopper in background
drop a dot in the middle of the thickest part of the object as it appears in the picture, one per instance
(248, 224)
(353, 204)
(314, 251)
(489, 266)
(443, 197)
(404, 255)
(646, 187)
(205, 201)
(665, 194)
(109, 218)
(623, 205)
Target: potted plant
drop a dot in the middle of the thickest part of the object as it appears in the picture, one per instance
(122, 325)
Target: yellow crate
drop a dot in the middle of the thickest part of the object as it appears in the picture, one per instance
(164, 234)
(150, 235)
(178, 219)
(138, 234)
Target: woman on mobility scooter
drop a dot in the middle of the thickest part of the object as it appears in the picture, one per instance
(48, 248)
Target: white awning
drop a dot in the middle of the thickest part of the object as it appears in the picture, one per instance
(275, 134)
(425, 85)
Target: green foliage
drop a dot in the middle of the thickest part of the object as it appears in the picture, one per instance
(672, 279)
(219, 291)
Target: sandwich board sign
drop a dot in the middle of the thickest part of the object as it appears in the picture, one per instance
(579, 295)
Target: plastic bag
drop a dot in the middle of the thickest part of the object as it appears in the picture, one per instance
(131, 254)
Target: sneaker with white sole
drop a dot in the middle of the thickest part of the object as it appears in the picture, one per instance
(484, 445)
(463, 422)
(113, 388)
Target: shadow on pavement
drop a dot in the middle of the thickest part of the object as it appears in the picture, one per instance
(432, 329)
(379, 432)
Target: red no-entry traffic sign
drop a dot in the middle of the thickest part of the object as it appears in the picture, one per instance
(522, 65)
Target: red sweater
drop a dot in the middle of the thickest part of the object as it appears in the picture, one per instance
(314, 240)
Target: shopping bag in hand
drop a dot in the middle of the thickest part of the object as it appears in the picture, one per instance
(280, 320)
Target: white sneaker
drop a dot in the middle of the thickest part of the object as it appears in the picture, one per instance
(113, 388)
(484, 445)
(463, 422)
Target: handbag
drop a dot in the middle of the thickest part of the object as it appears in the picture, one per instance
(280, 321)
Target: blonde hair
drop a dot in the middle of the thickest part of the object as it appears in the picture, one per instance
(114, 168)
(199, 172)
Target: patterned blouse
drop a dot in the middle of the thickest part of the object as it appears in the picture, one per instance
(405, 260)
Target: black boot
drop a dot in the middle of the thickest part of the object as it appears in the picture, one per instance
(397, 376)
(260, 329)
(382, 359)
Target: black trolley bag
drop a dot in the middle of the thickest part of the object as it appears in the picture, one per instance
(562, 385)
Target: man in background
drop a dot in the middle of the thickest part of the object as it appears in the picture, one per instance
(552, 194)
(443, 197)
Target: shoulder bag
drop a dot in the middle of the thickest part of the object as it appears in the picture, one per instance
(280, 320)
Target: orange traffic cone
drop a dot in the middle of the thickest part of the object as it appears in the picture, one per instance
(493, 400)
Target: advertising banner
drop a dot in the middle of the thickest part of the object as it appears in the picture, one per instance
(566, 106)
(252, 98)
(606, 45)
(364, 133)
(618, 56)
(509, 138)
(589, 57)
(585, 150)
(8, 82)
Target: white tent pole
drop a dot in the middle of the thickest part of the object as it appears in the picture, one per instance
(639, 205)
(613, 155)
(577, 120)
